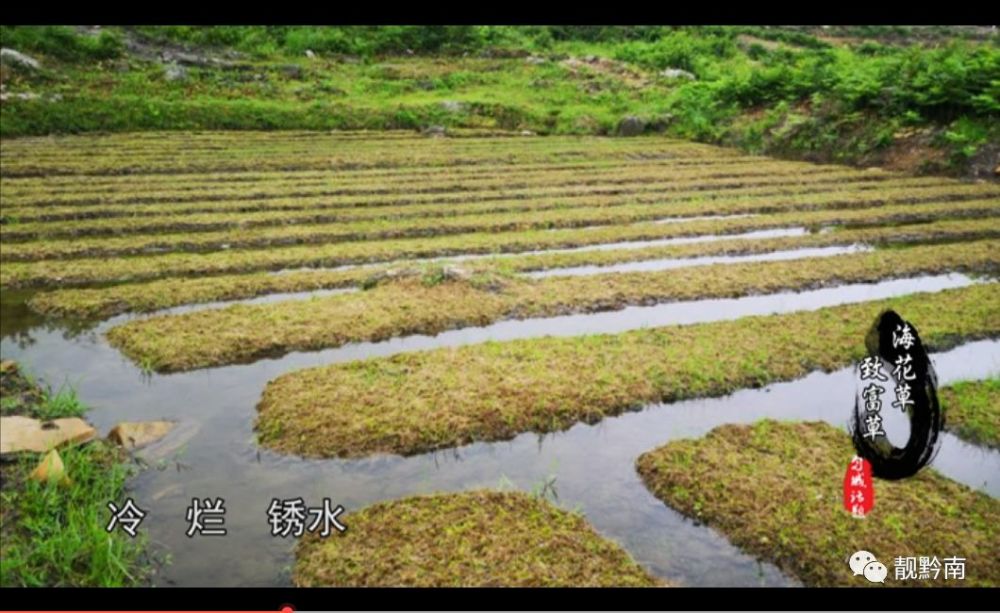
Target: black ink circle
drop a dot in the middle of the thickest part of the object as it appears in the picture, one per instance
(926, 420)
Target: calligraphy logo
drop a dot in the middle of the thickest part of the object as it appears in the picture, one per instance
(894, 342)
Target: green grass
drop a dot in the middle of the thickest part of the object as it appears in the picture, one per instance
(478, 538)
(23, 395)
(64, 403)
(841, 102)
(972, 410)
(52, 533)
(411, 305)
(776, 490)
(420, 401)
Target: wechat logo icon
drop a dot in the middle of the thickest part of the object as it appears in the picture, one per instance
(864, 563)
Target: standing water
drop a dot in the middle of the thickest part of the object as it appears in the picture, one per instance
(212, 452)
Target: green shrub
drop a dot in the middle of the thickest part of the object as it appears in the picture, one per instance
(62, 42)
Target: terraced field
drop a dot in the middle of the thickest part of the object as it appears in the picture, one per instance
(371, 316)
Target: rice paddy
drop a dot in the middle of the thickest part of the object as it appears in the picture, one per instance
(325, 304)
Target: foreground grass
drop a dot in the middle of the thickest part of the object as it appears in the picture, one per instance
(479, 538)
(972, 410)
(22, 395)
(776, 490)
(88, 303)
(53, 534)
(421, 401)
(433, 303)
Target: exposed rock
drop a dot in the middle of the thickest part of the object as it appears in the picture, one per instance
(527, 133)
(175, 72)
(454, 273)
(677, 73)
(135, 434)
(165, 52)
(534, 59)
(19, 433)
(441, 273)
(11, 57)
(435, 131)
(984, 163)
(619, 70)
(661, 123)
(425, 84)
(292, 71)
(631, 126)
(171, 447)
(8, 367)
(19, 96)
(29, 96)
(453, 106)
(203, 61)
(50, 469)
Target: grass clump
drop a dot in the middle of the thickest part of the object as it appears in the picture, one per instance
(23, 395)
(420, 401)
(478, 538)
(53, 534)
(972, 410)
(776, 490)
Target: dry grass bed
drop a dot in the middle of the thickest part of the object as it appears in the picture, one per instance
(280, 151)
(165, 293)
(434, 302)
(444, 181)
(478, 538)
(776, 490)
(415, 402)
(444, 187)
(94, 270)
(490, 223)
(728, 196)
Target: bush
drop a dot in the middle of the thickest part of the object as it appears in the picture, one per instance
(62, 42)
